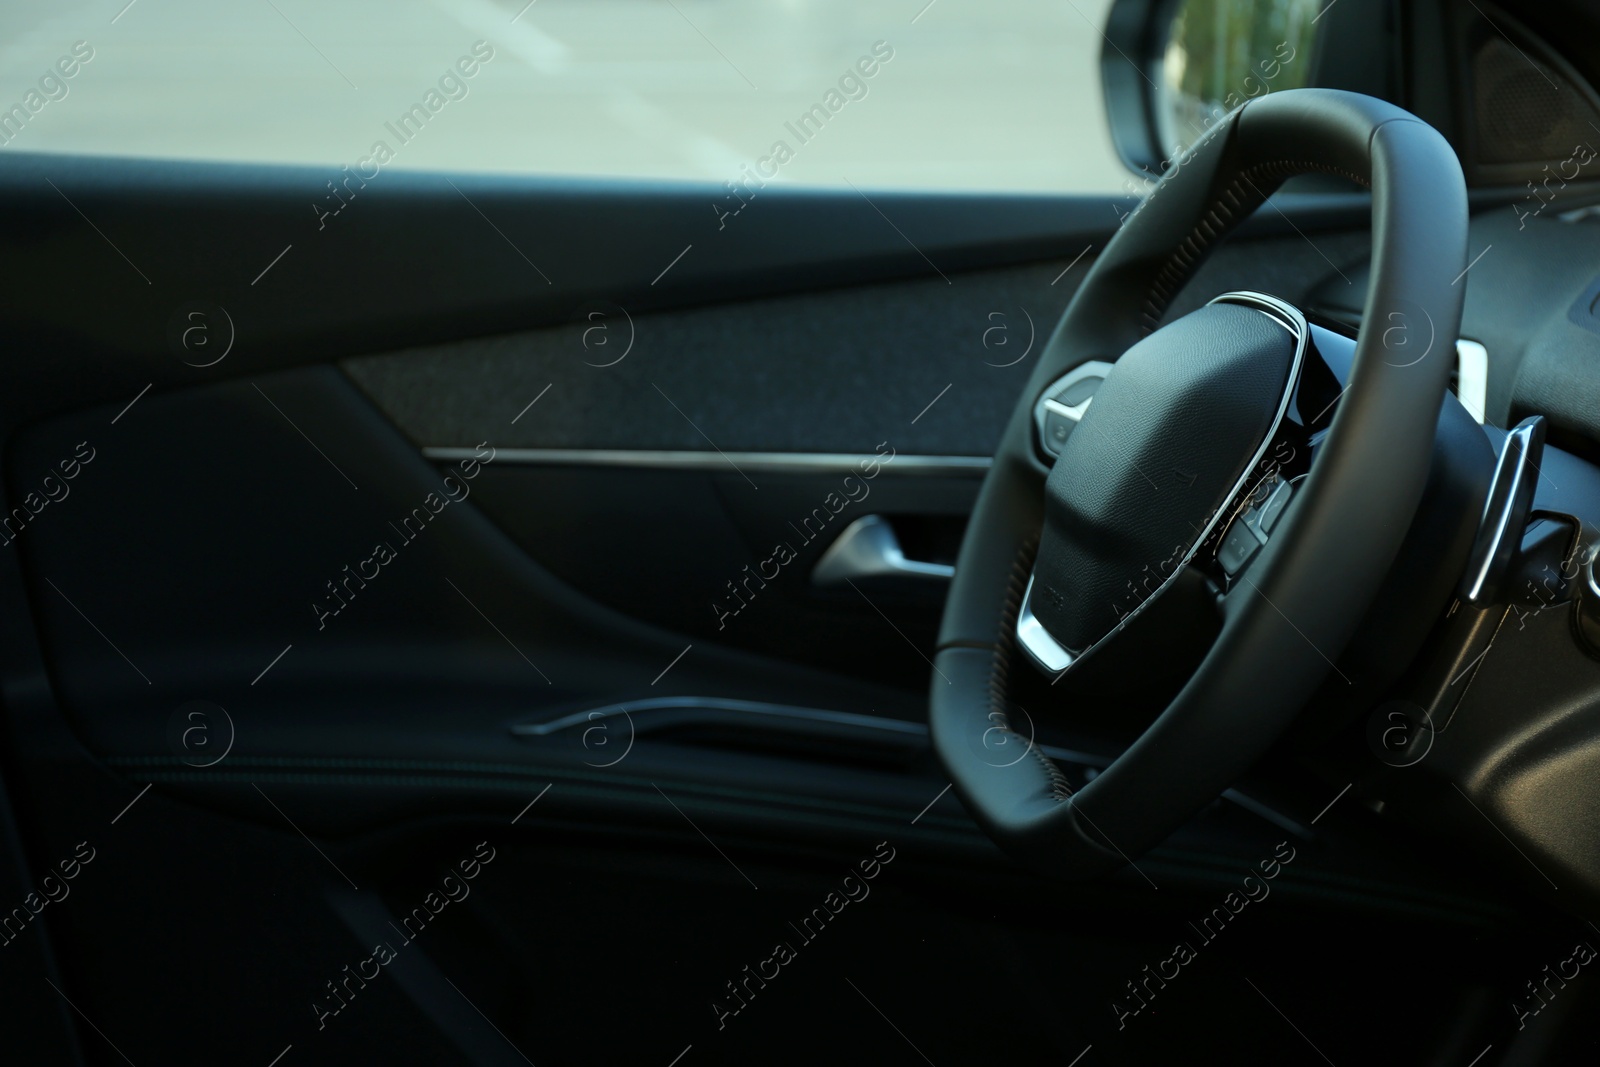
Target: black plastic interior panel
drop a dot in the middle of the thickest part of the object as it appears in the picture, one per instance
(262, 608)
(896, 369)
(36, 1018)
(400, 704)
(523, 946)
(318, 599)
(711, 560)
(1526, 305)
(413, 261)
(1585, 311)
(835, 371)
(1536, 297)
(838, 371)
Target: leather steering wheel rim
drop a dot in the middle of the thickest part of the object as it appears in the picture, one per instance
(1314, 580)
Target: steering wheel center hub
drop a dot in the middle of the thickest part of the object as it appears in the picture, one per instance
(1172, 436)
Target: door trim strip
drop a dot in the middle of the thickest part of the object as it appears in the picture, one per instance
(771, 462)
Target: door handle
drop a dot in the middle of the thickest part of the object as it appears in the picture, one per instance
(868, 548)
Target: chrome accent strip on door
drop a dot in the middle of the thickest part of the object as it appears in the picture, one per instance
(688, 459)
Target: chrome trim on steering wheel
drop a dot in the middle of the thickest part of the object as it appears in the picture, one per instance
(1042, 647)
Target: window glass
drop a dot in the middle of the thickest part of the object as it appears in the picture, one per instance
(952, 94)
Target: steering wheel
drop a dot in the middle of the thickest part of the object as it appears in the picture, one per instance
(1202, 460)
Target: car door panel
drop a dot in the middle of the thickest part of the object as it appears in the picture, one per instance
(500, 675)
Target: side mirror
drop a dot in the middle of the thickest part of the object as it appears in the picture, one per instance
(1171, 68)
(1218, 54)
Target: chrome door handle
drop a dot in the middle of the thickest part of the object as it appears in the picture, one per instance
(868, 548)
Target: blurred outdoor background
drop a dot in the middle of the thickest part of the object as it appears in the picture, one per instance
(980, 94)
